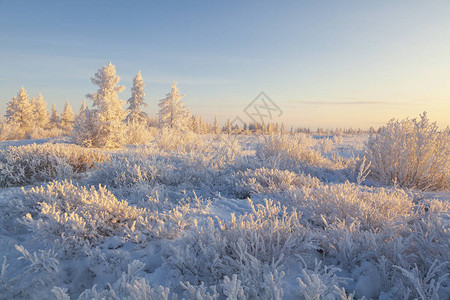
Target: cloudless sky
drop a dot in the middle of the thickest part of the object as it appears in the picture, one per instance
(324, 63)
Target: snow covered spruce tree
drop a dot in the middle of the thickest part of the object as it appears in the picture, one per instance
(20, 112)
(107, 117)
(54, 118)
(173, 114)
(42, 115)
(67, 118)
(135, 114)
(216, 127)
(81, 133)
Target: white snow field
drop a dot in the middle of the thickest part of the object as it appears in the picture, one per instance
(216, 217)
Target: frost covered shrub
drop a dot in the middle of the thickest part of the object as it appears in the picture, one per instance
(337, 139)
(326, 145)
(172, 140)
(414, 241)
(40, 133)
(79, 215)
(265, 180)
(127, 171)
(425, 237)
(321, 283)
(223, 151)
(411, 153)
(252, 246)
(348, 243)
(138, 133)
(28, 164)
(373, 207)
(40, 273)
(75, 216)
(296, 148)
(428, 285)
(130, 286)
(147, 168)
(133, 171)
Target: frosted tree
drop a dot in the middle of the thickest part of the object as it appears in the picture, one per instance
(108, 114)
(195, 124)
(55, 119)
(67, 118)
(173, 114)
(42, 115)
(82, 133)
(11, 109)
(228, 126)
(83, 107)
(20, 111)
(247, 129)
(135, 114)
(204, 126)
(216, 126)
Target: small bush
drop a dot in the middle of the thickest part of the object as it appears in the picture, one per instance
(326, 145)
(265, 180)
(177, 141)
(138, 133)
(42, 271)
(130, 286)
(373, 207)
(411, 153)
(75, 216)
(321, 283)
(297, 148)
(9, 131)
(29, 164)
(252, 246)
(79, 215)
(128, 171)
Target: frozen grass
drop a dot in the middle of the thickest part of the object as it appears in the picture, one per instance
(170, 220)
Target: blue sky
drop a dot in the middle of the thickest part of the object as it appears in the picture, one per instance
(324, 63)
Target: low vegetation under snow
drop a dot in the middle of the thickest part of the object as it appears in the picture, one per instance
(229, 217)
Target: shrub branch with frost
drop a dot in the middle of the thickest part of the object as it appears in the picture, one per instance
(427, 285)
(321, 282)
(42, 271)
(130, 286)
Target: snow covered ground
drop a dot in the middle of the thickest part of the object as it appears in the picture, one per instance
(215, 217)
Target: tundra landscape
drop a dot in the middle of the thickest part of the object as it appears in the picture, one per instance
(142, 192)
